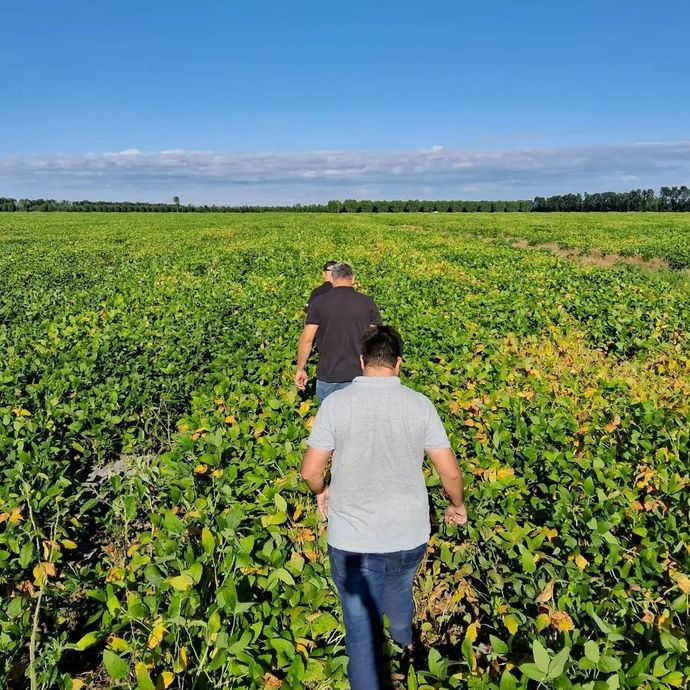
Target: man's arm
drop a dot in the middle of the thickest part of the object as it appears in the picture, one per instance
(314, 466)
(306, 342)
(445, 463)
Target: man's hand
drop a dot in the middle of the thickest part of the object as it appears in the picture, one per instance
(322, 503)
(301, 379)
(456, 515)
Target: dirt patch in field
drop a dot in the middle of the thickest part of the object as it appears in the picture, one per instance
(594, 257)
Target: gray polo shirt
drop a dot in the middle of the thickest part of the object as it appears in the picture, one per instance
(378, 430)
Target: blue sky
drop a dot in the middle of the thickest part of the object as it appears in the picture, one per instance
(521, 98)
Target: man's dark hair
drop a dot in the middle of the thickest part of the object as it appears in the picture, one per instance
(381, 347)
(340, 270)
(329, 265)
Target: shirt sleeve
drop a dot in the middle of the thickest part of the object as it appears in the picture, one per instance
(435, 436)
(322, 436)
(313, 316)
(309, 300)
(374, 316)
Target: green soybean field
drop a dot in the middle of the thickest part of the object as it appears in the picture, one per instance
(154, 529)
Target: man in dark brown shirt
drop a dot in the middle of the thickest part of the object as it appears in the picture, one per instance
(325, 286)
(337, 319)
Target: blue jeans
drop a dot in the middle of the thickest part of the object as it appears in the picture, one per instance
(324, 388)
(371, 585)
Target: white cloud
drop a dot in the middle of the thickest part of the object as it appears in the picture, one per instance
(263, 177)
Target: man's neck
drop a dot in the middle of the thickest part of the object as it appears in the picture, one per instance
(378, 372)
(338, 283)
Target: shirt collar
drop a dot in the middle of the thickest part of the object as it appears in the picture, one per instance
(377, 380)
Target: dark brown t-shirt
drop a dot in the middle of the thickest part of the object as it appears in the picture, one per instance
(343, 316)
(322, 289)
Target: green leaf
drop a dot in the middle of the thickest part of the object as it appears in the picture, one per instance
(283, 575)
(676, 679)
(558, 663)
(412, 679)
(533, 671)
(508, 681)
(528, 563)
(498, 645)
(437, 664)
(613, 683)
(608, 664)
(325, 624)
(144, 681)
(207, 540)
(195, 571)
(541, 656)
(89, 640)
(213, 624)
(283, 646)
(181, 582)
(592, 651)
(281, 503)
(26, 554)
(172, 523)
(116, 667)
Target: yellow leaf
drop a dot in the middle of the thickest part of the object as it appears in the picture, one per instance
(304, 534)
(311, 555)
(230, 419)
(42, 572)
(505, 472)
(512, 623)
(217, 473)
(16, 516)
(546, 593)
(581, 561)
(310, 422)
(164, 680)
(543, 620)
(181, 663)
(115, 575)
(69, 544)
(561, 621)
(118, 644)
(142, 674)
(271, 682)
(156, 636)
(683, 582)
(133, 549)
(21, 412)
(181, 582)
(304, 407)
(471, 633)
(201, 469)
(77, 684)
(551, 534)
(199, 433)
(302, 649)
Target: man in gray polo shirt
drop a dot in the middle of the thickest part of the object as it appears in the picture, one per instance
(377, 505)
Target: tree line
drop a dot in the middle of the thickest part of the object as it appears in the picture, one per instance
(668, 199)
(334, 206)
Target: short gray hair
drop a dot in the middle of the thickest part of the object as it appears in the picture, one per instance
(341, 271)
